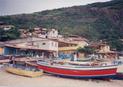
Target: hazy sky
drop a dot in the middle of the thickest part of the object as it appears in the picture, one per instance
(29, 6)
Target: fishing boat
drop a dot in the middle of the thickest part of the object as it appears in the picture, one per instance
(74, 71)
(24, 69)
(23, 72)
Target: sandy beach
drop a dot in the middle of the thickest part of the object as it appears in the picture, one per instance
(10, 80)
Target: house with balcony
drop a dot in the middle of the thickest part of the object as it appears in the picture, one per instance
(68, 46)
(5, 26)
(33, 47)
(103, 50)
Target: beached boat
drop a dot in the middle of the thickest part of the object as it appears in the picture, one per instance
(67, 70)
(22, 72)
(24, 69)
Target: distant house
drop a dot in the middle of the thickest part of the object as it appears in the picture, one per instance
(43, 33)
(32, 47)
(5, 26)
(52, 33)
(39, 32)
(100, 46)
(103, 50)
(24, 33)
(48, 33)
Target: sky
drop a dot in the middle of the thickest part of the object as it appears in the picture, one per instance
(9, 7)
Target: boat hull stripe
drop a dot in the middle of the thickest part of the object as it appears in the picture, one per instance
(66, 72)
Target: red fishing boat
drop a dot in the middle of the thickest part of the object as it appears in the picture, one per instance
(67, 70)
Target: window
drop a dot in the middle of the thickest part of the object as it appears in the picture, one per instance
(43, 43)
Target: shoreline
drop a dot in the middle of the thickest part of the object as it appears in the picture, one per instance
(47, 80)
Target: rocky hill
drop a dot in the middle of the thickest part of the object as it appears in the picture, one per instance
(97, 21)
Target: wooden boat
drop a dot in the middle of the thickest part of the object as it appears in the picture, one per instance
(23, 72)
(24, 69)
(67, 70)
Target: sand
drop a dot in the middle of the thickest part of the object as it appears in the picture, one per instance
(10, 80)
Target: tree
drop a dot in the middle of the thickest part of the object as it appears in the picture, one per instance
(11, 34)
(87, 50)
(116, 44)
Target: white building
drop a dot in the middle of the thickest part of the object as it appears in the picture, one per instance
(46, 44)
(38, 45)
(53, 33)
(6, 27)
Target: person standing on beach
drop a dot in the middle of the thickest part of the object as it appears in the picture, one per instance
(74, 57)
(12, 60)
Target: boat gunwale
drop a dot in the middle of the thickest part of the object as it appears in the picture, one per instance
(79, 68)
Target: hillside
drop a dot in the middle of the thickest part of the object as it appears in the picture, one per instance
(94, 21)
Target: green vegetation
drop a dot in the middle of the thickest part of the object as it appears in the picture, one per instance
(87, 50)
(98, 21)
(11, 34)
(114, 4)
